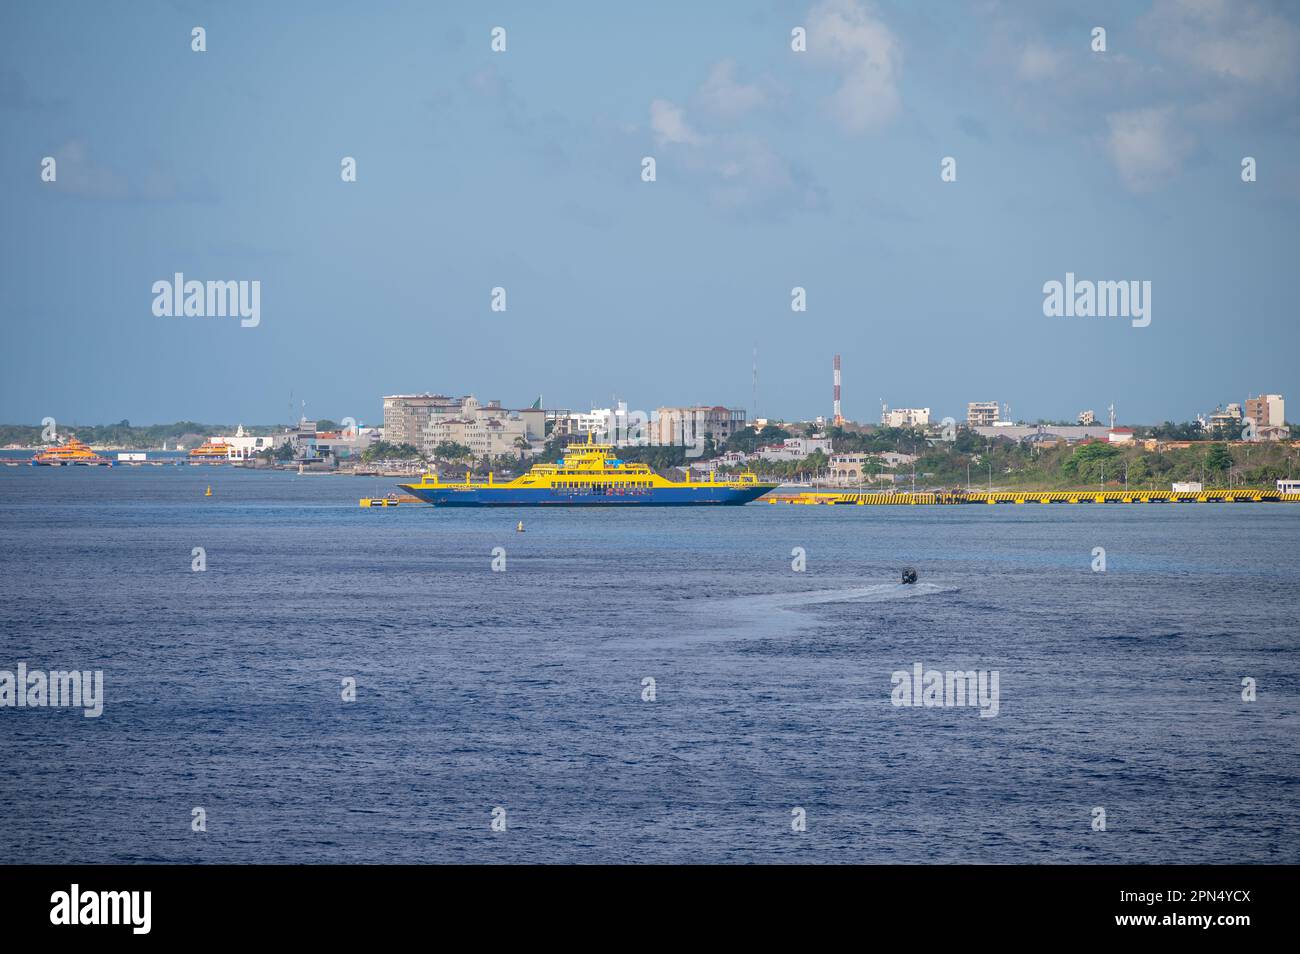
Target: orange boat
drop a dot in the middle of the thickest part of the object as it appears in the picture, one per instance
(211, 449)
(71, 451)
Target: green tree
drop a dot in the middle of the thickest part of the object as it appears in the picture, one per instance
(383, 450)
(1219, 459)
(452, 451)
(745, 441)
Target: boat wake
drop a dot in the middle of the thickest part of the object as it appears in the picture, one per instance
(876, 593)
(767, 615)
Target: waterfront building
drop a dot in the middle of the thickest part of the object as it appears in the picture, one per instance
(347, 443)
(243, 446)
(407, 415)
(302, 438)
(488, 430)
(857, 468)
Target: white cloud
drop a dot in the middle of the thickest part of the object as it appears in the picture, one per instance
(668, 123)
(1146, 146)
(847, 35)
(723, 95)
(79, 174)
(739, 172)
(1237, 40)
(1037, 62)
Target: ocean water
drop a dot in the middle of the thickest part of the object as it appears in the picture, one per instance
(523, 690)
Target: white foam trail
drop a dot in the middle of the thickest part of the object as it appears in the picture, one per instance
(775, 614)
(876, 593)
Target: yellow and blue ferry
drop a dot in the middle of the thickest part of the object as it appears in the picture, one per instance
(589, 475)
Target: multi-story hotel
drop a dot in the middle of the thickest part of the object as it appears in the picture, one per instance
(982, 413)
(719, 422)
(1267, 410)
(488, 430)
(407, 415)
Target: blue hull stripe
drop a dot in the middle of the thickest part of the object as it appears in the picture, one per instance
(547, 497)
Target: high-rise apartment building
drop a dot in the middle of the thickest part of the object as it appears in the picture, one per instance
(406, 416)
(982, 413)
(1266, 410)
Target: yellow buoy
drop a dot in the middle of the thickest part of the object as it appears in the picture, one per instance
(520, 528)
(208, 493)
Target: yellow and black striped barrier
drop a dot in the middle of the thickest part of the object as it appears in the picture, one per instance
(831, 498)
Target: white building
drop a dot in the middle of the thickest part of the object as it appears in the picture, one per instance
(729, 459)
(245, 446)
(1229, 417)
(488, 430)
(615, 425)
(346, 444)
(794, 448)
(905, 417)
(892, 459)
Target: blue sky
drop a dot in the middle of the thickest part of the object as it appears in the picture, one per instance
(522, 169)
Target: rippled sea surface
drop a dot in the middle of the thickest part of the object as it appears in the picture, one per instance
(523, 689)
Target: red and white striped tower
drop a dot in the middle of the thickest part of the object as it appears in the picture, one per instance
(835, 377)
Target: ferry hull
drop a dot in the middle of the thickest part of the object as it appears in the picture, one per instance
(70, 463)
(719, 496)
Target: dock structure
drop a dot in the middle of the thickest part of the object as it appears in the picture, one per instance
(850, 498)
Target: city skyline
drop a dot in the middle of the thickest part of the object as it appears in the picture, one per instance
(779, 174)
(296, 409)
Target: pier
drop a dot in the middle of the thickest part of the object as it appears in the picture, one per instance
(940, 498)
